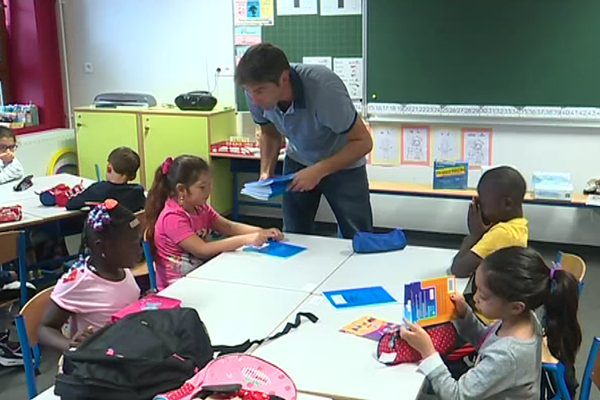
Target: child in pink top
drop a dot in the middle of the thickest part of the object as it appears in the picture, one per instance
(179, 220)
(97, 287)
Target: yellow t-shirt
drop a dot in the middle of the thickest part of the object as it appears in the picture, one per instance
(504, 234)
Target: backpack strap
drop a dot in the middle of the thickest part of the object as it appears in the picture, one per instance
(243, 347)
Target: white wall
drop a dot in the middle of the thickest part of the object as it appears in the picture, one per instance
(159, 47)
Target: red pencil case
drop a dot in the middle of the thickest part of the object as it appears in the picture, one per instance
(11, 213)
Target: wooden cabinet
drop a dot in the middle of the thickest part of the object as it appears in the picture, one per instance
(98, 134)
(156, 134)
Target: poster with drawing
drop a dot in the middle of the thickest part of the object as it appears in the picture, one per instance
(447, 144)
(415, 145)
(477, 146)
(386, 145)
(253, 12)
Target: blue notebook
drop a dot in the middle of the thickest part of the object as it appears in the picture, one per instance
(367, 296)
(268, 188)
(277, 249)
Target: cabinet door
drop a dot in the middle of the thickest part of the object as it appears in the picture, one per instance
(170, 136)
(98, 133)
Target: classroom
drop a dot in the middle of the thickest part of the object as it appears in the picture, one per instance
(299, 199)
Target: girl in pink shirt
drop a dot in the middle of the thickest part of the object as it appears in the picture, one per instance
(179, 220)
(99, 286)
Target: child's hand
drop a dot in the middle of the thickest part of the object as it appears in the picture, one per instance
(461, 304)
(7, 157)
(81, 336)
(275, 234)
(475, 219)
(417, 338)
(257, 238)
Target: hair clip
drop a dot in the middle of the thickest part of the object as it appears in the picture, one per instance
(99, 217)
(110, 204)
(166, 165)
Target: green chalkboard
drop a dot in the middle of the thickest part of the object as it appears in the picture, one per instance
(312, 36)
(495, 52)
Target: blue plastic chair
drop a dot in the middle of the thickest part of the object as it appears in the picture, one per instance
(593, 362)
(98, 173)
(150, 263)
(557, 371)
(14, 245)
(28, 322)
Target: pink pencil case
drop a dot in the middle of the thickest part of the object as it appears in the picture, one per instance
(150, 302)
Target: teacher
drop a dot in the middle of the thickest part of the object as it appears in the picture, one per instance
(327, 140)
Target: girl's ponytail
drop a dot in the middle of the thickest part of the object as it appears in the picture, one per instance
(562, 326)
(520, 274)
(157, 196)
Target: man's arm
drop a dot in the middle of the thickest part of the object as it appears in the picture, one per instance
(359, 145)
(270, 146)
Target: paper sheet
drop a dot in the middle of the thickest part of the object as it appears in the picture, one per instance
(247, 35)
(386, 145)
(341, 7)
(324, 61)
(415, 145)
(297, 7)
(477, 147)
(253, 12)
(350, 70)
(593, 200)
(447, 144)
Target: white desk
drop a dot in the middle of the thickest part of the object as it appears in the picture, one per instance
(393, 269)
(302, 272)
(33, 211)
(40, 183)
(322, 360)
(234, 313)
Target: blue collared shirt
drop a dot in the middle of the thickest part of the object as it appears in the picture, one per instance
(318, 119)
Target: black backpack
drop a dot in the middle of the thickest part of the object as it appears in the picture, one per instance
(144, 354)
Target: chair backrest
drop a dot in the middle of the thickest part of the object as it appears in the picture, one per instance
(592, 371)
(141, 216)
(9, 246)
(33, 312)
(574, 264)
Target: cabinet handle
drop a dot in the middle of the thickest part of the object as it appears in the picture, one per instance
(79, 124)
(146, 129)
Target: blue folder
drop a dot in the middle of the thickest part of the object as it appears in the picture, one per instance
(367, 296)
(277, 249)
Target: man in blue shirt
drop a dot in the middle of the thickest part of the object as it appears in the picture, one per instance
(327, 139)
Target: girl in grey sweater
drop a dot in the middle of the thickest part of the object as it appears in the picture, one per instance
(511, 283)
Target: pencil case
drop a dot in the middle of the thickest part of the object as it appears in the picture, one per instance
(368, 242)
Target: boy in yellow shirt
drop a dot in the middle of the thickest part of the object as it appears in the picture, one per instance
(495, 219)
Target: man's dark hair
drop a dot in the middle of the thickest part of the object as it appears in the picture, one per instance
(124, 161)
(505, 182)
(261, 63)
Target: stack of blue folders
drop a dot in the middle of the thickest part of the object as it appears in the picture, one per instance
(268, 188)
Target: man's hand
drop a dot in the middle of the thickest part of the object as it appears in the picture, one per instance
(307, 179)
(7, 157)
(264, 176)
(475, 219)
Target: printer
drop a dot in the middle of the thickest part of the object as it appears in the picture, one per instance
(113, 100)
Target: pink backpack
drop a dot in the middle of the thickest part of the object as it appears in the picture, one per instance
(236, 376)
